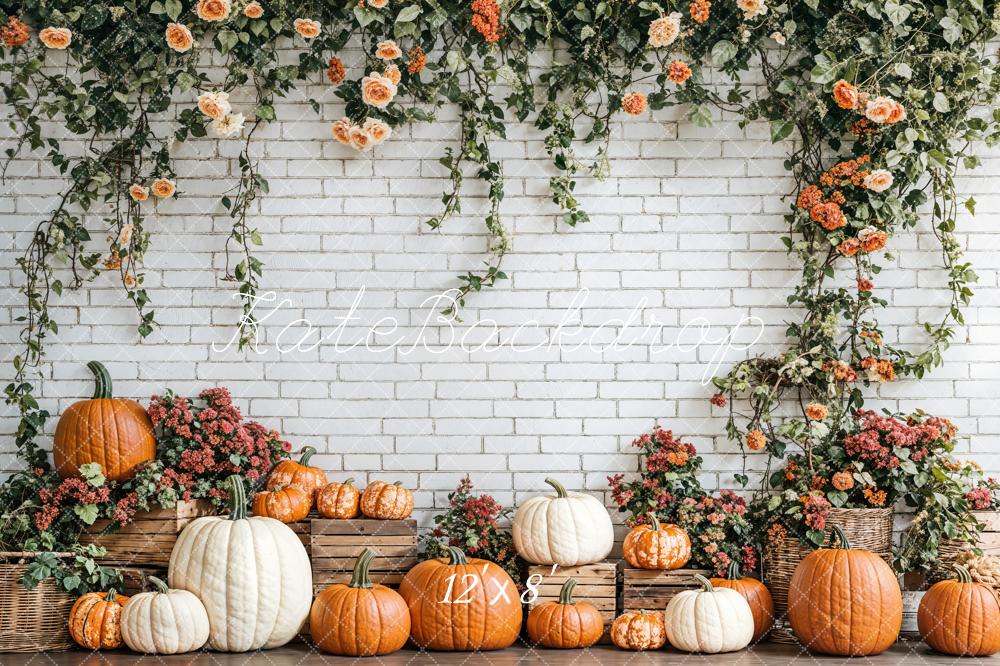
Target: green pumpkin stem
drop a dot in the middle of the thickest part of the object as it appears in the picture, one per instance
(733, 572)
(307, 453)
(102, 380)
(560, 488)
(348, 481)
(160, 586)
(654, 524)
(237, 498)
(111, 596)
(360, 577)
(566, 593)
(705, 583)
(398, 484)
(456, 556)
(962, 574)
(839, 539)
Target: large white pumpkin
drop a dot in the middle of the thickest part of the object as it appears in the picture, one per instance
(164, 621)
(709, 620)
(252, 574)
(569, 529)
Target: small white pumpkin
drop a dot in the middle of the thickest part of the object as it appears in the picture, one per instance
(164, 621)
(569, 529)
(709, 620)
(252, 574)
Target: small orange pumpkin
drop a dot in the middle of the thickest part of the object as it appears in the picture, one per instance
(95, 620)
(639, 630)
(359, 619)
(657, 546)
(289, 505)
(565, 623)
(339, 500)
(387, 501)
(756, 594)
(298, 474)
(960, 617)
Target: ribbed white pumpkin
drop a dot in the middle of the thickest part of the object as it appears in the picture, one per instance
(709, 620)
(252, 574)
(569, 529)
(164, 621)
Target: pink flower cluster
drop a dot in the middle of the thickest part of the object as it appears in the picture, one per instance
(815, 509)
(68, 493)
(879, 434)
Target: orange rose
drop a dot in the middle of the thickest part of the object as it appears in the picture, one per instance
(307, 28)
(388, 50)
(897, 113)
(849, 247)
(213, 10)
(843, 480)
(360, 139)
(377, 90)
(845, 95)
(163, 188)
(816, 411)
(138, 192)
(336, 71)
(393, 74)
(634, 103)
(215, 105)
(756, 440)
(342, 130)
(378, 4)
(56, 38)
(179, 37)
(828, 215)
(15, 33)
(679, 72)
(417, 61)
(872, 240)
(377, 129)
(253, 10)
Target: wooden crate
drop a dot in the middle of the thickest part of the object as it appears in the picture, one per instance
(137, 578)
(651, 589)
(989, 538)
(149, 538)
(596, 584)
(303, 529)
(336, 544)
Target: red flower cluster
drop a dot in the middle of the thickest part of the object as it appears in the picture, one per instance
(815, 509)
(71, 492)
(719, 530)
(486, 19)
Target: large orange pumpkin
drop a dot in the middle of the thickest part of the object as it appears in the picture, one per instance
(657, 546)
(461, 604)
(95, 620)
(387, 501)
(639, 630)
(960, 617)
(289, 505)
(756, 594)
(845, 602)
(114, 432)
(339, 500)
(565, 623)
(359, 619)
(298, 474)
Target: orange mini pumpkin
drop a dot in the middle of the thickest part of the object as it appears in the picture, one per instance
(657, 546)
(359, 619)
(114, 432)
(845, 602)
(639, 630)
(95, 620)
(461, 604)
(298, 474)
(756, 594)
(960, 617)
(387, 501)
(289, 505)
(565, 623)
(339, 500)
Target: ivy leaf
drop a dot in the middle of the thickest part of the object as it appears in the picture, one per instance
(781, 129)
(723, 51)
(86, 512)
(903, 70)
(364, 16)
(941, 103)
(952, 29)
(701, 115)
(896, 12)
(408, 14)
(970, 205)
(93, 474)
(825, 71)
(173, 8)
(628, 40)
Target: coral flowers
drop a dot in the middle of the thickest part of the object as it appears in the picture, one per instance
(679, 72)
(634, 103)
(15, 33)
(486, 19)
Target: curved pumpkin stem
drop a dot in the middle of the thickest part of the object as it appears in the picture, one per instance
(962, 574)
(307, 453)
(705, 583)
(560, 488)
(398, 484)
(654, 524)
(102, 380)
(360, 577)
(566, 593)
(160, 586)
(456, 556)
(347, 482)
(733, 573)
(839, 538)
(237, 498)
(110, 596)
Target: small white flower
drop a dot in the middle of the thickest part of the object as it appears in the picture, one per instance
(778, 37)
(229, 125)
(752, 8)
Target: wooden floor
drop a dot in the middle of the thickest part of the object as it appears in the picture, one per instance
(764, 654)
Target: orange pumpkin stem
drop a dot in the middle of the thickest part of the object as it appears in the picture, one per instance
(962, 574)
(566, 593)
(160, 586)
(102, 380)
(560, 488)
(237, 498)
(307, 453)
(456, 556)
(360, 577)
(733, 572)
(706, 584)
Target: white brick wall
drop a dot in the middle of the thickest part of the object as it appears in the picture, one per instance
(688, 225)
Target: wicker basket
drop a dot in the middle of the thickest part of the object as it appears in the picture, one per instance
(31, 620)
(988, 540)
(870, 529)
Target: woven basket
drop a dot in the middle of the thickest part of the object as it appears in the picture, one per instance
(870, 529)
(31, 620)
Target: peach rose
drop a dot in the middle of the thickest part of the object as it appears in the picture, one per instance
(138, 192)
(377, 129)
(679, 72)
(213, 10)
(634, 103)
(307, 28)
(880, 109)
(215, 105)
(377, 90)
(816, 411)
(393, 74)
(378, 4)
(388, 50)
(664, 30)
(845, 95)
(163, 188)
(752, 8)
(898, 113)
(756, 440)
(253, 10)
(342, 130)
(179, 37)
(56, 38)
(872, 240)
(360, 139)
(125, 235)
(878, 180)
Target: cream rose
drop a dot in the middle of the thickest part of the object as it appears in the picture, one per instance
(56, 38)
(253, 10)
(752, 8)
(163, 188)
(388, 50)
(138, 192)
(179, 37)
(342, 130)
(878, 181)
(393, 74)
(377, 90)
(377, 129)
(213, 10)
(880, 109)
(230, 124)
(125, 235)
(360, 139)
(215, 105)
(664, 30)
(307, 28)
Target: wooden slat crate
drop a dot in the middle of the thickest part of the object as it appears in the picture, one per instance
(989, 538)
(136, 578)
(303, 529)
(149, 538)
(651, 589)
(337, 543)
(596, 584)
